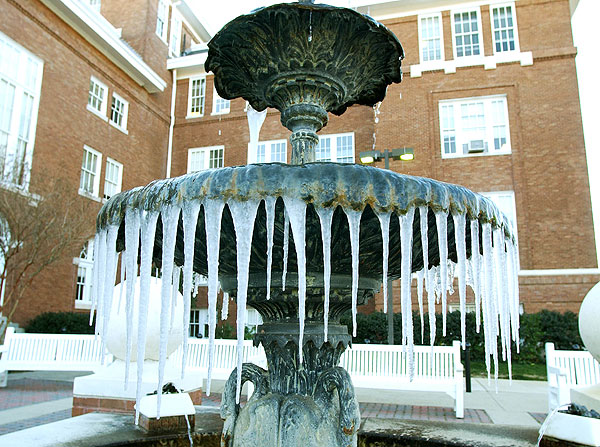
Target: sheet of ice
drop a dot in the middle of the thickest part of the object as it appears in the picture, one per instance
(384, 223)
(296, 210)
(406, 243)
(354, 226)
(441, 220)
(461, 254)
(255, 122)
(243, 214)
(325, 218)
(270, 211)
(132, 241)
(213, 211)
(190, 213)
(286, 243)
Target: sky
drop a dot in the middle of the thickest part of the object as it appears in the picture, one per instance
(586, 35)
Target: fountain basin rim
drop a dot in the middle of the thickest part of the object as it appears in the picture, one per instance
(322, 184)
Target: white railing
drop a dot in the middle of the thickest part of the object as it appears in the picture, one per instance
(567, 370)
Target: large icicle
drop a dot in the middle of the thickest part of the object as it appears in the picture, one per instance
(243, 214)
(255, 122)
(149, 220)
(429, 282)
(461, 254)
(95, 273)
(170, 219)
(489, 328)
(109, 280)
(132, 242)
(225, 308)
(296, 210)
(354, 225)
(406, 242)
(100, 268)
(286, 246)
(420, 278)
(175, 292)
(384, 223)
(213, 210)
(441, 220)
(325, 217)
(476, 267)
(190, 213)
(270, 211)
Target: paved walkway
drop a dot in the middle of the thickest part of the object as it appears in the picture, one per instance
(37, 398)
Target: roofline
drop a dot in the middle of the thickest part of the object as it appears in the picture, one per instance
(105, 38)
(191, 18)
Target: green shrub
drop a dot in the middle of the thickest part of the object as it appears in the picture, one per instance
(60, 323)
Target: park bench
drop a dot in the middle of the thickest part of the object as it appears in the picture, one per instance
(386, 367)
(567, 370)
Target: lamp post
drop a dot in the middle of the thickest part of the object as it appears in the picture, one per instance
(404, 154)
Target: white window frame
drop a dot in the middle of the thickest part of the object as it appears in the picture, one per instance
(163, 6)
(104, 104)
(25, 61)
(489, 126)
(334, 148)
(434, 62)
(86, 264)
(125, 113)
(511, 5)
(175, 34)
(481, 54)
(95, 194)
(216, 98)
(206, 153)
(119, 182)
(196, 114)
(253, 152)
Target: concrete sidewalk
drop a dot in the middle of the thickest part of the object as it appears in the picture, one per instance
(36, 398)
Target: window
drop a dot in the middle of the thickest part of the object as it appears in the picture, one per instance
(220, 105)
(20, 85)
(203, 158)
(466, 31)
(338, 148)
(268, 152)
(118, 112)
(474, 126)
(196, 97)
(90, 172)
(175, 39)
(430, 38)
(83, 284)
(198, 323)
(97, 97)
(113, 178)
(504, 29)
(161, 19)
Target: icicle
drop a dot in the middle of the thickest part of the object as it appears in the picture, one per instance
(325, 217)
(95, 276)
(100, 268)
(225, 308)
(286, 243)
(476, 266)
(450, 283)
(514, 309)
(429, 281)
(243, 214)
(420, 277)
(489, 314)
(170, 219)
(121, 289)
(384, 223)
(502, 279)
(296, 210)
(441, 219)
(270, 211)
(461, 254)
(213, 210)
(148, 227)
(406, 241)
(190, 213)
(174, 293)
(132, 242)
(255, 122)
(354, 225)
(109, 280)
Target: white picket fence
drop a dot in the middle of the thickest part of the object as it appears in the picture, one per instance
(370, 366)
(567, 370)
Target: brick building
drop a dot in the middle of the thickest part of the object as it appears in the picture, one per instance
(489, 101)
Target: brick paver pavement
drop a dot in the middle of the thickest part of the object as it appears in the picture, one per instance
(20, 392)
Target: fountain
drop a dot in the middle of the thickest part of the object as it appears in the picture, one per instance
(352, 228)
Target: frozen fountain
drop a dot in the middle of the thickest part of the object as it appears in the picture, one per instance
(304, 243)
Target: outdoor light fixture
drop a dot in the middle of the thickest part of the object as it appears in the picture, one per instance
(404, 154)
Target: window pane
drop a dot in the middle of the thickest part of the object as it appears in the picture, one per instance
(345, 149)
(466, 30)
(430, 39)
(323, 149)
(278, 152)
(503, 29)
(197, 96)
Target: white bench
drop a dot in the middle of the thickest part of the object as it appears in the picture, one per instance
(386, 367)
(567, 370)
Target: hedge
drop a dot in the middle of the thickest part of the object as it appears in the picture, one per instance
(60, 323)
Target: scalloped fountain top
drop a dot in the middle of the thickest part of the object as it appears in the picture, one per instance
(352, 227)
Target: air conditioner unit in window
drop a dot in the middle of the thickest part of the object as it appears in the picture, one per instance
(475, 147)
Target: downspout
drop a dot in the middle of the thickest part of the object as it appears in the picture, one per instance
(172, 125)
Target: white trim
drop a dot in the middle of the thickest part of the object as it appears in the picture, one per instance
(104, 37)
(123, 126)
(171, 125)
(190, 61)
(175, 34)
(189, 103)
(191, 20)
(560, 272)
